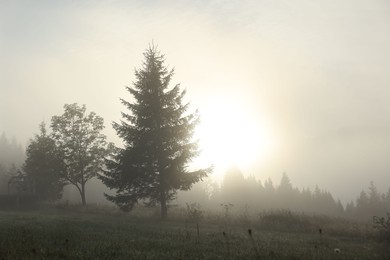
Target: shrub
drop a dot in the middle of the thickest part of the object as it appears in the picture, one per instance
(383, 225)
(194, 212)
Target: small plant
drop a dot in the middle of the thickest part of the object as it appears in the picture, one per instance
(244, 216)
(320, 233)
(227, 242)
(194, 212)
(254, 246)
(383, 225)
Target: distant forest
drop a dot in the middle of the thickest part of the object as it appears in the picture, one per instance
(151, 167)
(11, 152)
(241, 194)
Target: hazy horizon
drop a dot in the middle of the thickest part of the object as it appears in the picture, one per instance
(300, 87)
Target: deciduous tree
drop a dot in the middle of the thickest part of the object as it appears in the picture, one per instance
(84, 148)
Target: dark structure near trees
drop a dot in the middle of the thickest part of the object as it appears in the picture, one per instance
(158, 145)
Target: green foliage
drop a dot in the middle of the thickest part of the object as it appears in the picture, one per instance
(83, 147)
(157, 133)
(45, 165)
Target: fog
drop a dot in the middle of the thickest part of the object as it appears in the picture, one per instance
(314, 73)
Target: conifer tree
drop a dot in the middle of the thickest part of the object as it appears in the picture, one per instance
(11, 152)
(157, 132)
(45, 164)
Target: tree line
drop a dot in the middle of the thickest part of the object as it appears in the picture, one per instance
(152, 164)
(248, 194)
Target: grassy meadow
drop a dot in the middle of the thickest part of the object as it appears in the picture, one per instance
(72, 232)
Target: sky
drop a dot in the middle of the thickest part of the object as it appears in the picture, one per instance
(300, 87)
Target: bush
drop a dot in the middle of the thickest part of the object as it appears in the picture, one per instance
(194, 212)
(383, 225)
(285, 220)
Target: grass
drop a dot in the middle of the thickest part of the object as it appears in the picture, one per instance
(96, 233)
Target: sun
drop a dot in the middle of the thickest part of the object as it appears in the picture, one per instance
(231, 134)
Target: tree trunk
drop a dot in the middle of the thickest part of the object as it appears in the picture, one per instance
(164, 209)
(82, 193)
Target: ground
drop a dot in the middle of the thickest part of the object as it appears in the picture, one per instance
(85, 233)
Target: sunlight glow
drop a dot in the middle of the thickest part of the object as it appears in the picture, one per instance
(230, 135)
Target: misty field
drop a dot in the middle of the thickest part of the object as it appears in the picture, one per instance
(88, 233)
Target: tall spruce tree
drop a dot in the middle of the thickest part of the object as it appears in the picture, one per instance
(158, 143)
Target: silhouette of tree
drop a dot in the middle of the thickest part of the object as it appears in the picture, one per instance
(254, 191)
(285, 192)
(285, 185)
(369, 204)
(84, 148)
(10, 152)
(200, 193)
(13, 170)
(45, 164)
(3, 179)
(11, 158)
(269, 186)
(387, 200)
(339, 210)
(374, 197)
(362, 205)
(269, 194)
(233, 189)
(157, 134)
(350, 209)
